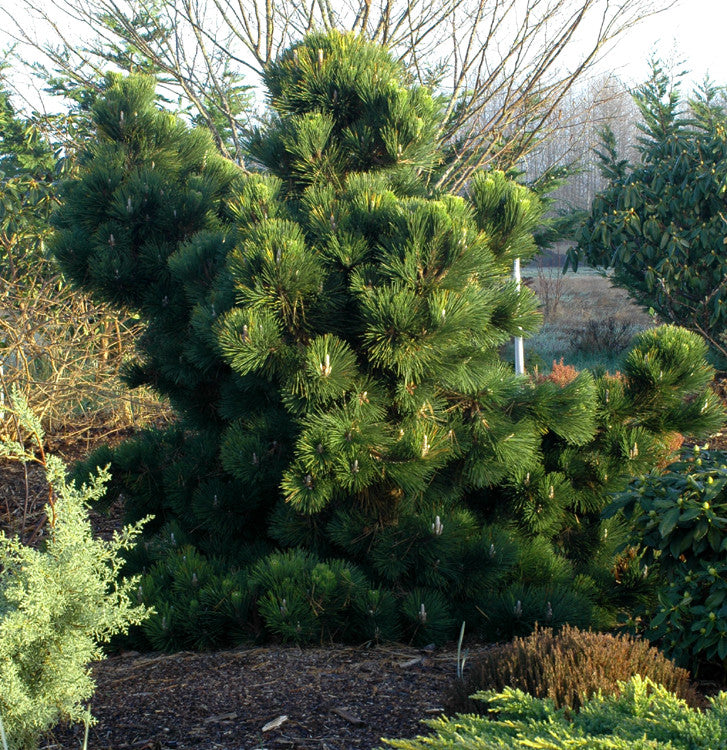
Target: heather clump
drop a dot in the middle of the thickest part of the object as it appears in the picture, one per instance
(568, 667)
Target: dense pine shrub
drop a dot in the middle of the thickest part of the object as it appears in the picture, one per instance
(328, 330)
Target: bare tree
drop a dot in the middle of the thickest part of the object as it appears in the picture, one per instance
(502, 67)
(582, 114)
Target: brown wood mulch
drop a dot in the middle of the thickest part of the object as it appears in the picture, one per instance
(276, 698)
(332, 698)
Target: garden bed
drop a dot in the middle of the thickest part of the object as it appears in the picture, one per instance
(334, 698)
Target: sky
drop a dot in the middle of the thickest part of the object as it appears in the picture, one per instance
(693, 32)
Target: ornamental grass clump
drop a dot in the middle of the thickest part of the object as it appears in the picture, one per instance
(57, 602)
(568, 666)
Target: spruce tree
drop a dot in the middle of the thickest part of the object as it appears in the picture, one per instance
(353, 457)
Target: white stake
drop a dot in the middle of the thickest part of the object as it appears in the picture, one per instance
(519, 350)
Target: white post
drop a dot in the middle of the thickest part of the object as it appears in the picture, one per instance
(519, 350)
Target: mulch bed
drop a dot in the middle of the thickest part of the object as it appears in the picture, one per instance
(332, 698)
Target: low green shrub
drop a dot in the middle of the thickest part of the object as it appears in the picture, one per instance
(303, 599)
(199, 605)
(294, 596)
(519, 609)
(680, 517)
(57, 603)
(643, 716)
(567, 666)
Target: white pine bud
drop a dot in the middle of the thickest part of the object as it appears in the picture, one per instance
(425, 446)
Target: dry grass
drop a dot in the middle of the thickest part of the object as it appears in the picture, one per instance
(586, 321)
(576, 298)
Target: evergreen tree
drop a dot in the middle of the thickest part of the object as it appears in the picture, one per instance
(353, 457)
(660, 222)
(27, 171)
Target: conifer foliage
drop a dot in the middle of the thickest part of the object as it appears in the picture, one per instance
(354, 459)
(58, 602)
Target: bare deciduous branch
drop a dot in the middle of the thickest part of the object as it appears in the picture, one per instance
(502, 66)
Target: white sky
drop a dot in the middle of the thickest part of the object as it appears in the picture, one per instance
(693, 32)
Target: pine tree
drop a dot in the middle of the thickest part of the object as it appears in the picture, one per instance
(352, 447)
